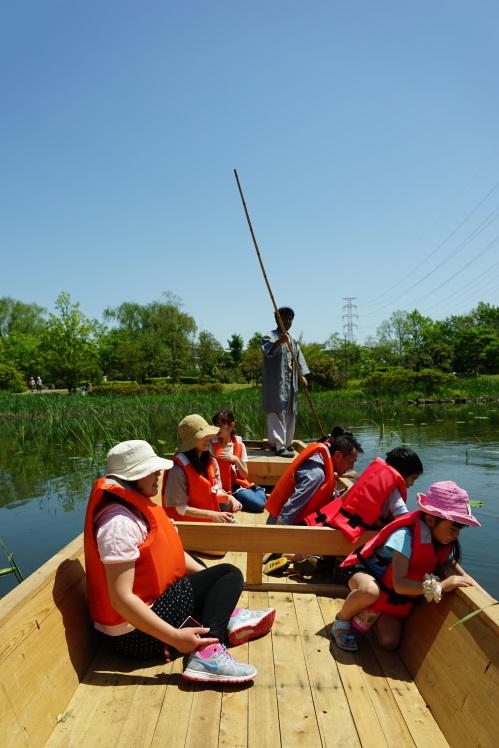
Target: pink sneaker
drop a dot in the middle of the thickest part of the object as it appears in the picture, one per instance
(247, 624)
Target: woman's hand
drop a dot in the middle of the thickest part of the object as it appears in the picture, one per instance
(235, 504)
(222, 517)
(225, 457)
(188, 639)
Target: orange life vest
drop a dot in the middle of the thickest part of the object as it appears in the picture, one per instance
(199, 489)
(424, 560)
(286, 484)
(361, 506)
(228, 471)
(160, 563)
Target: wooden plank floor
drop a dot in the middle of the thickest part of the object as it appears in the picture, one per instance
(304, 694)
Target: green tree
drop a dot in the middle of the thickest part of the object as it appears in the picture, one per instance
(251, 365)
(18, 317)
(254, 342)
(163, 331)
(11, 379)
(69, 344)
(236, 348)
(395, 333)
(209, 353)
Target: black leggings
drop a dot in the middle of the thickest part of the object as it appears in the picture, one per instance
(210, 596)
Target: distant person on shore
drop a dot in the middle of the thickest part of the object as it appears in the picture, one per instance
(31, 384)
(280, 383)
(230, 453)
(39, 384)
(89, 388)
(193, 490)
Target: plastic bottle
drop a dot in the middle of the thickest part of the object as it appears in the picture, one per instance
(364, 620)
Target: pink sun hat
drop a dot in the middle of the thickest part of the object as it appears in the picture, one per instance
(448, 501)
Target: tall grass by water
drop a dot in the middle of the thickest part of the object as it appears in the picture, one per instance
(89, 426)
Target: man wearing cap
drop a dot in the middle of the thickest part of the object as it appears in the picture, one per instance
(280, 382)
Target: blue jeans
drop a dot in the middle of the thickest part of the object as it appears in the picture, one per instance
(252, 499)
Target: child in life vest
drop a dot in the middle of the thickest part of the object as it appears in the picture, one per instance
(376, 498)
(396, 567)
(230, 453)
(144, 592)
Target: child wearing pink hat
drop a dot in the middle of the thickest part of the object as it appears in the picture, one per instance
(391, 571)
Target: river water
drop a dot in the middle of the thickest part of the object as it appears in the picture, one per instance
(43, 491)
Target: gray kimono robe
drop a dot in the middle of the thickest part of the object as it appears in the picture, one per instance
(277, 385)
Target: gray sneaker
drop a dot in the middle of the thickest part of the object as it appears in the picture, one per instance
(216, 664)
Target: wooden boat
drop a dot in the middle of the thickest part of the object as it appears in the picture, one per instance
(264, 468)
(59, 688)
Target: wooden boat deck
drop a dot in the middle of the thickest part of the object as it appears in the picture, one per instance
(58, 689)
(302, 694)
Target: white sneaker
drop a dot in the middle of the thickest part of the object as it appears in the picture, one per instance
(216, 664)
(247, 624)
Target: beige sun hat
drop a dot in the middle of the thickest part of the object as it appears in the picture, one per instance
(192, 429)
(134, 459)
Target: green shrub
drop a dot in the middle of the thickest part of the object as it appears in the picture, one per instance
(132, 388)
(403, 381)
(10, 379)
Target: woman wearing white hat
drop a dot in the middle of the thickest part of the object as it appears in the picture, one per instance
(193, 487)
(142, 586)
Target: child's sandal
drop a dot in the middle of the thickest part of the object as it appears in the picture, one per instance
(276, 565)
(270, 557)
(343, 637)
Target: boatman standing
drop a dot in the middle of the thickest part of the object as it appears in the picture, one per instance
(280, 382)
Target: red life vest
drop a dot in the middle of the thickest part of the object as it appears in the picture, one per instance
(286, 484)
(424, 560)
(228, 472)
(198, 487)
(160, 563)
(361, 506)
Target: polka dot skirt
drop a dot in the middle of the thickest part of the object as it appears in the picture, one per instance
(174, 606)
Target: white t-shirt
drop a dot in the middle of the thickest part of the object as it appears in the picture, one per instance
(119, 530)
(394, 505)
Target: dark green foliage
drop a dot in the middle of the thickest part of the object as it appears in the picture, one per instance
(10, 379)
(399, 380)
(324, 375)
(132, 388)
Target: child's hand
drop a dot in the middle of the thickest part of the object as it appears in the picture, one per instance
(451, 583)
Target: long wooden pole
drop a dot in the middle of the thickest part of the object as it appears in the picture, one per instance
(278, 316)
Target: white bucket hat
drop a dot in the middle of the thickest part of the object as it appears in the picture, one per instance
(134, 459)
(192, 429)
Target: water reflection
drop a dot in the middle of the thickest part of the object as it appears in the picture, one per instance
(44, 487)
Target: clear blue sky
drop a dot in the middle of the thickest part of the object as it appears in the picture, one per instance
(365, 135)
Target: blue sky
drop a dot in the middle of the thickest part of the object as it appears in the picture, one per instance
(365, 135)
